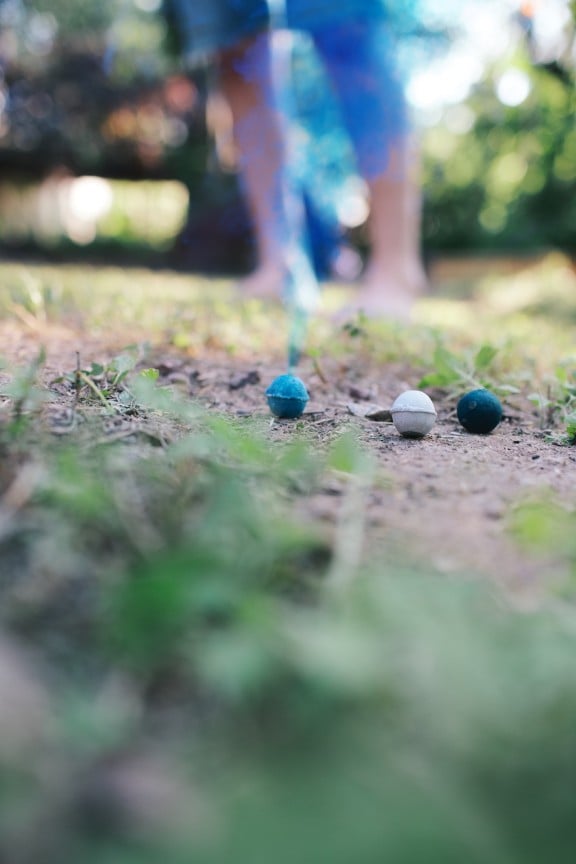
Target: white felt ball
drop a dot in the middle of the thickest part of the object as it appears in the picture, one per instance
(413, 414)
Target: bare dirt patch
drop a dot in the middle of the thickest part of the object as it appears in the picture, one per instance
(444, 500)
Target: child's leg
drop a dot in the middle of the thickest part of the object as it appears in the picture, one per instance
(394, 276)
(284, 267)
(357, 55)
(246, 81)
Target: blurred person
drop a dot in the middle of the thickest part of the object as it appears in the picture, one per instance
(353, 39)
(358, 55)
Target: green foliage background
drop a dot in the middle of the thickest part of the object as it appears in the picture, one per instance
(505, 183)
(509, 182)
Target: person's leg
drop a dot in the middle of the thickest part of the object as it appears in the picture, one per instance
(394, 276)
(245, 75)
(357, 55)
(284, 267)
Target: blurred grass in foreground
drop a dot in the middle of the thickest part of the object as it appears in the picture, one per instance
(193, 673)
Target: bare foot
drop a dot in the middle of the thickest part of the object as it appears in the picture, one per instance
(267, 282)
(387, 294)
(294, 284)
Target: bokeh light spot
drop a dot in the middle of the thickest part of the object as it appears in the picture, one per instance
(513, 87)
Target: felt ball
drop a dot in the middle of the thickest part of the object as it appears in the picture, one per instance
(479, 411)
(413, 414)
(287, 397)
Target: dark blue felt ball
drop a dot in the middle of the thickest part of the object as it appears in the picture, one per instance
(479, 411)
(287, 397)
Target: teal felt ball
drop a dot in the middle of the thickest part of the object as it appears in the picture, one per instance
(479, 411)
(287, 397)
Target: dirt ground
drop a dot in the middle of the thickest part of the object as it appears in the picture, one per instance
(445, 500)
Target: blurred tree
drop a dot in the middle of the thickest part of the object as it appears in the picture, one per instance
(496, 175)
(500, 169)
(141, 110)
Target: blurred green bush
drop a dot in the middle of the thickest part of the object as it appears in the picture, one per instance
(498, 177)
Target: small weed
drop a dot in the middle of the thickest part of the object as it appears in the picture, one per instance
(556, 401)
(457, 373)
(571, 428)
(356, 329)
(34, 299)
(109, 383)
(25, 396)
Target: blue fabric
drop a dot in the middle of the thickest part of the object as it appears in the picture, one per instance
(315, 14)
(351, 36)
(358, 56)
(208, 26)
